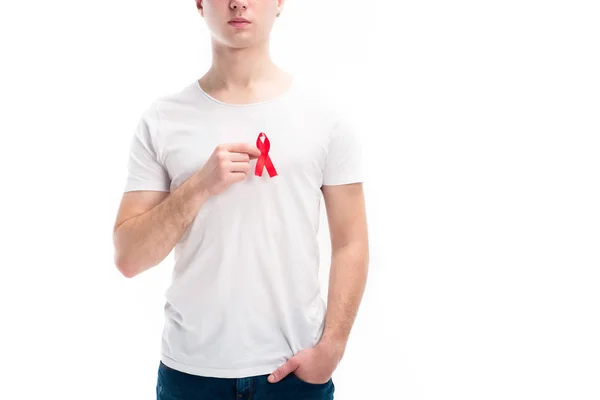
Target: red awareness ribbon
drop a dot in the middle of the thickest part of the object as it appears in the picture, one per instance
(264, 160)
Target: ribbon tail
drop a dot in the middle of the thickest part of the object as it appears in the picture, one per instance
(270, 167)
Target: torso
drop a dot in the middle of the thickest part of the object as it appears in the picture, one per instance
(245, 293)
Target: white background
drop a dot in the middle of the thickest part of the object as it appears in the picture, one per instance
(480, 123)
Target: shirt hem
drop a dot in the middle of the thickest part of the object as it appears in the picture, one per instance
(135, 187)
(218, 372)
(343, 181)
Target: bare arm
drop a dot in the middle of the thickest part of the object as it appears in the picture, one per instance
(346, 216)
(150, 223)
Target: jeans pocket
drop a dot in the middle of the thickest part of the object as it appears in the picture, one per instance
(311, 383)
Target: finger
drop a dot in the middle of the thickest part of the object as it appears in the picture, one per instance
(240, 166)
(281, 372)
(239, 157)
(251, 150)
(239, 176)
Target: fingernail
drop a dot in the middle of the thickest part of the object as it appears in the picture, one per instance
(271, 378)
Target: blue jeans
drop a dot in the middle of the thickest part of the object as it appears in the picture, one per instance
(176, 385)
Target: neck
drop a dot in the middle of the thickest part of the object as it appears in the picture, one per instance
(240, 69)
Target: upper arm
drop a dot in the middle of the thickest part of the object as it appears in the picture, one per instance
(346, 215)
(147, 183)
(145, 167)
(343, 162)
(342, 186)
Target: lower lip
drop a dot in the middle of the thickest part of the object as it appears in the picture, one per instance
(239, 24)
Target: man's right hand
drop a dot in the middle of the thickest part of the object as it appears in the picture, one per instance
(229, 163)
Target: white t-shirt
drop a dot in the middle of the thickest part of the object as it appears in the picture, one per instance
(245, 294)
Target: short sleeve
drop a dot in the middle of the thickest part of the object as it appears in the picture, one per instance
(144, 170)
(343, 163)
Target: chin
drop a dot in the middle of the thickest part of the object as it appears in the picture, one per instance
(237, 44)
(237, 41)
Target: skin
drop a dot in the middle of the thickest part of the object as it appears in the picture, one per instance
(242, 70)
(150, 223)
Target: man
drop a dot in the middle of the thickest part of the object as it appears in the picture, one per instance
(229, 173)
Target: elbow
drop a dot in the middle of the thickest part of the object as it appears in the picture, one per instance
(125, 267)
(129, 260)
(128, 272)
(122, 259)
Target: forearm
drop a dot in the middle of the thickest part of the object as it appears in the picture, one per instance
(144, 241)
(347, 281)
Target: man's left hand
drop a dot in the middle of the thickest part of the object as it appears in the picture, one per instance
(313, 365)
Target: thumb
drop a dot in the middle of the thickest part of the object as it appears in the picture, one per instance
(281, 372)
